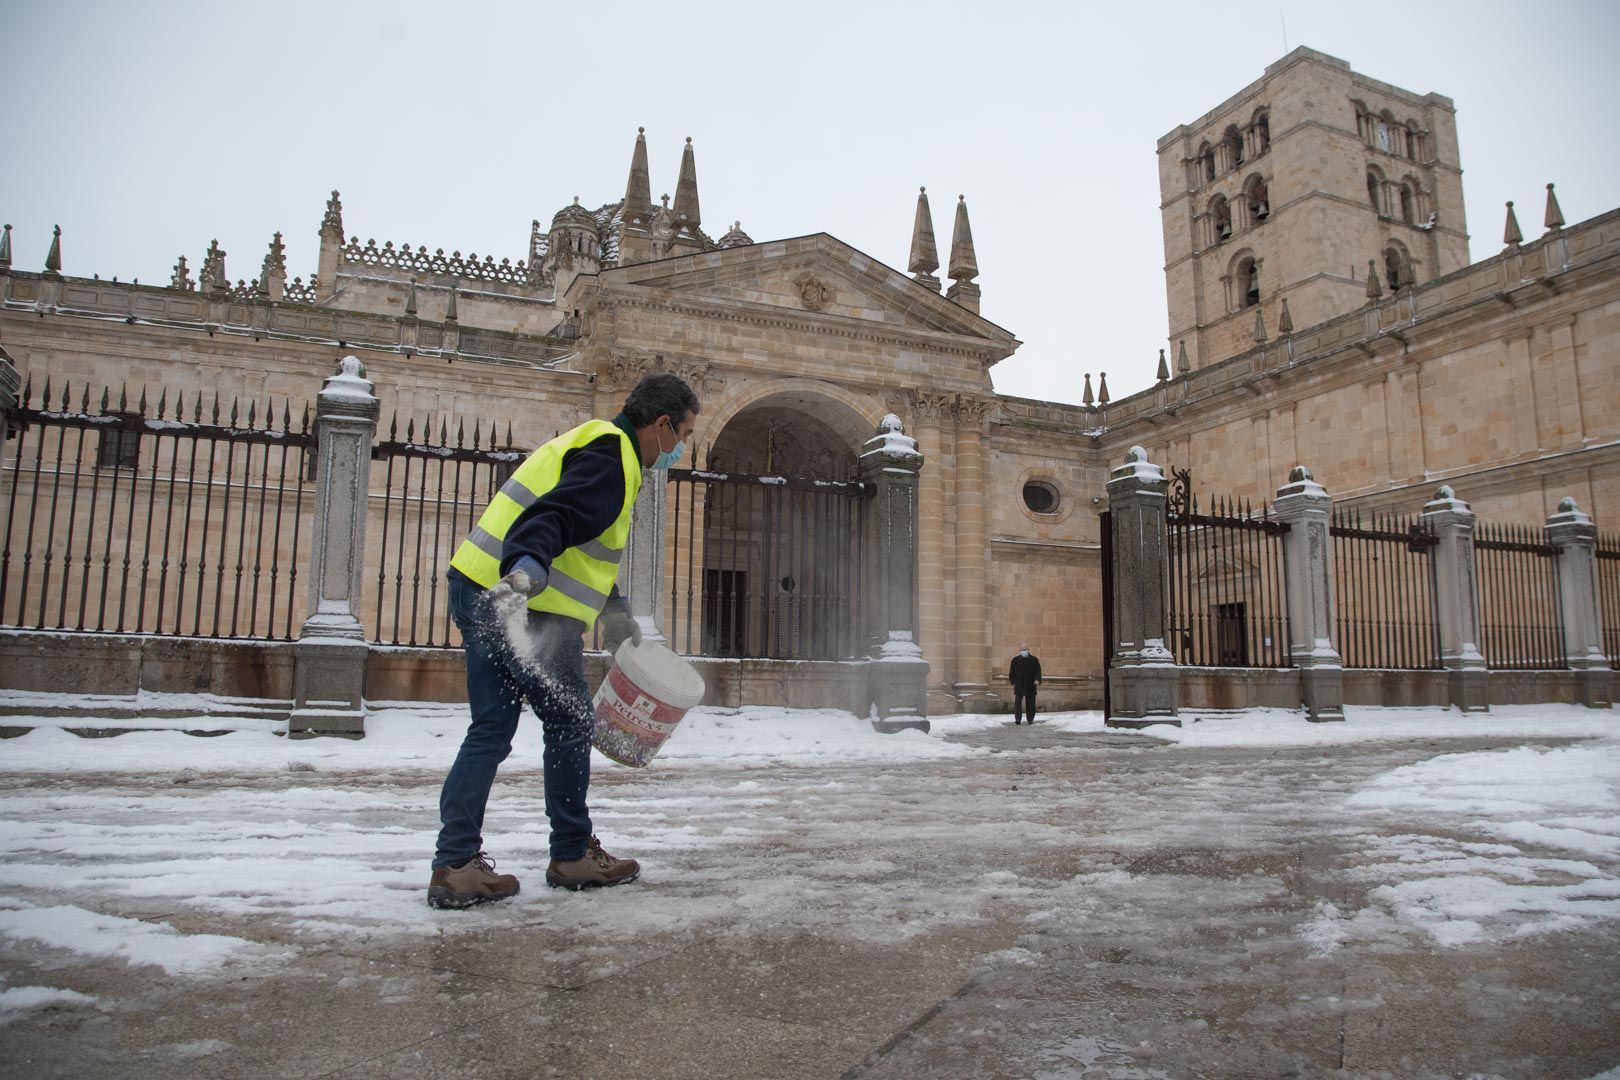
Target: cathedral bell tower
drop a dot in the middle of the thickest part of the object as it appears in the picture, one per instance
(1284, 192)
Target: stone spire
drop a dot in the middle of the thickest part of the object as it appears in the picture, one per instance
(273, 274)
(1164, 368)
(1088, 399)
(687, 218)
(410, 300)
(53, 258)
(638, 207)
(1511, 236)
(212, 276)
(1285, 322)
(332, 223)
(182, 277)
(1259, 326)
(1553, 220)
(1102, 388)
(964, 267)
(450, 309)
(331, 250)
(924, 256)
(1374, 289)
(5, 249)
(1183, 365)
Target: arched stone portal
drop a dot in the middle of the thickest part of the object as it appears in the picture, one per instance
(765, 537)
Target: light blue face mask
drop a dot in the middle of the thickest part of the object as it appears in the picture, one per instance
(667, 458)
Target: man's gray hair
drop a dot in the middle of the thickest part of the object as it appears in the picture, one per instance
(663, 393)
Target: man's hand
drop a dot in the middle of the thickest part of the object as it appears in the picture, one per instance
(527, 578)
(618, 625)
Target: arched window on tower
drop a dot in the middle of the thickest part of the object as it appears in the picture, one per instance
(1412, 140)
(1408, 202)
(1248, 283)
(1207, 159)
(1234, 147)
(1384, 131)
(1375, 190)
(1220, 218)
(1262, 132)
(1397, 266)
(1363, 122)
(1258, 200)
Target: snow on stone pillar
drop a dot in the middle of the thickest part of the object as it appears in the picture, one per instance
(330, 657)
(1305, 507)
(1575, 537)
(641, 573)
(1144, 683)
(898, 675)
(1456, 597)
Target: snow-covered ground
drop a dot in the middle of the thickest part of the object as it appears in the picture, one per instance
(770, 821)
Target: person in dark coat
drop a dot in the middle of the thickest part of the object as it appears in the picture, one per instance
(1025, 675)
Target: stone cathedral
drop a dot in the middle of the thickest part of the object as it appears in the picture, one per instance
(1323, 309)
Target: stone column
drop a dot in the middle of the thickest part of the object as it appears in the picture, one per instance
(329, 672)
(1305, 507)
(1144, 683)
(933, 612)
(1575, 537)
(641, 574)
(898, 674)
(972, 611)
(1456, 598)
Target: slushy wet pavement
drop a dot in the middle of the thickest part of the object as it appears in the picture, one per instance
(1057, 905)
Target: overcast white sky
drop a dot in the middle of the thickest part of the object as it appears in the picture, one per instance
(146, 130)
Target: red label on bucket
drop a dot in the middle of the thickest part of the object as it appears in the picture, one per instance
(643, 715)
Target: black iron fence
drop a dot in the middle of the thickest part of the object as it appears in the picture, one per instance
(1383, 590)
(429, 489)
(1521, 625)
(764, 566)
(182, 518)
(1228, 585)
(1608, 575)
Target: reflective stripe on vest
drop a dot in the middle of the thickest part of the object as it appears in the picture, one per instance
(581, 577)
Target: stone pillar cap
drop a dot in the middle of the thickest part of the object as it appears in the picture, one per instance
(1445, 501)
(1137, 467)
(1302, 482)
(348, 388)
(1568, 514)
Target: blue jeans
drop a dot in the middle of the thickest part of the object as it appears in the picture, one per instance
(553, 682)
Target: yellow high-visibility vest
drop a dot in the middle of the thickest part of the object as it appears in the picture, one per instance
(581, 577)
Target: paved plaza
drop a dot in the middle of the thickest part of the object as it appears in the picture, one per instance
(1056, 904)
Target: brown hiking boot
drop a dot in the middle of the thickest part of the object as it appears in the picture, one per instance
(473, 882)
(595, 870)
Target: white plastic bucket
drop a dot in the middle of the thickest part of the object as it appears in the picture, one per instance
(646, 692)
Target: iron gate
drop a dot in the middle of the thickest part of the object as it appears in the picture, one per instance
(765, 566)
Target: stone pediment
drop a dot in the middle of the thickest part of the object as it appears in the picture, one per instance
(816, 277)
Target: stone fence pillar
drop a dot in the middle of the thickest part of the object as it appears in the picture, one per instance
(898, 674)
(329, 671)
(1575, 537)
(1304, 505)
(1456, 597)
(1144, 682)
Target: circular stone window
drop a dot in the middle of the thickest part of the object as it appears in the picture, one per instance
(1041, 497)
